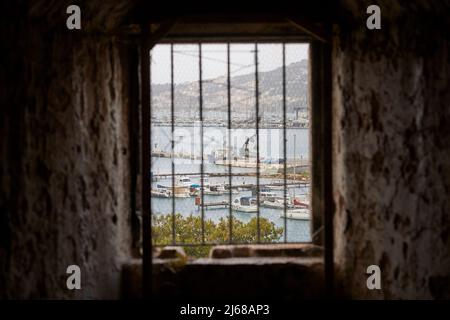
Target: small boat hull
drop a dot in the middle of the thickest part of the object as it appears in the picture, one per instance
(182, 195)
(275, 187)
(246, 209)
(160, 194)
(297, 214)
(272, 204)
(213, 193)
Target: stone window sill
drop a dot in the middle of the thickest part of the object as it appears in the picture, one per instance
(242, 271)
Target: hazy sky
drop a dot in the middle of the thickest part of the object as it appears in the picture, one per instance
(214, 62)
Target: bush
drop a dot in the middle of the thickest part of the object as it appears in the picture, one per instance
(188, 230)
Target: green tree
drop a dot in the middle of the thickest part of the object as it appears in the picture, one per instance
(188, 230)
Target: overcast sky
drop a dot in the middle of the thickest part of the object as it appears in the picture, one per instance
(214, 62)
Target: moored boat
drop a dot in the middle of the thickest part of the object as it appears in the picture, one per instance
(277, 202)
(181, 191)
(183, 181)
(267, 195)
(215, 190)
(303, 203)
(245, 204)
(161, 192)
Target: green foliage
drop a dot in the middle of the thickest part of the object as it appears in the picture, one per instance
(188, 230)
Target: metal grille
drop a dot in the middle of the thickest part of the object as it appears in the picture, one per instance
(206, 81)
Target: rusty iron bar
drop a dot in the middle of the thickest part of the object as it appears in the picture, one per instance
(172, 142)
(284, 142)
(257, 144)
(146, 162)
(202, 169)
(230, 189)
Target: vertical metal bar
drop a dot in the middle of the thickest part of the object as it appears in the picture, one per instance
(172, 137)
(230, 237)
(134, 161)
(321, 170)
(284, 142)
(257, 143)
(328, 171)
(317, 145)
(201, 139)
(145, 140)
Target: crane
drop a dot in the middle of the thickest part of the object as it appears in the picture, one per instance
(245, 146)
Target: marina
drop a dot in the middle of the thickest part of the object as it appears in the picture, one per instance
(229, 187)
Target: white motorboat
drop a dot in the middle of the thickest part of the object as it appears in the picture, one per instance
(181, 191)
(245, 204)
(272, 204)
(277, 202)
(215, 190)
(183, 181)
(181, 188)
(161, 192)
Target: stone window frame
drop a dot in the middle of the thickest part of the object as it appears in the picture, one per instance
(320, 133)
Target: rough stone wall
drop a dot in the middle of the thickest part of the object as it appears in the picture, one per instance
(391, 116)
(65, 182)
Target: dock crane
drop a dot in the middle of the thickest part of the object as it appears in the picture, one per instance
(245, 146)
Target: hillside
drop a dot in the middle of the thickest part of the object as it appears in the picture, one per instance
(242, 94)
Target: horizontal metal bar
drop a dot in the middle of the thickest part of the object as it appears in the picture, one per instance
(224, 243)
(234, 40)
